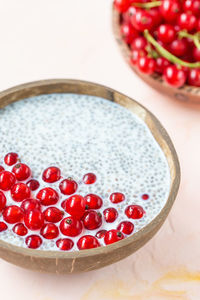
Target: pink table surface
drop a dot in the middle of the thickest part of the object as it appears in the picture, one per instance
(73, 39)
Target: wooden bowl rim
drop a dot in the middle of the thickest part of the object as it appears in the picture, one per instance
(189, 89)
(19, 89)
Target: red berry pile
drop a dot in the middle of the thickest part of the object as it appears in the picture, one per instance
(163, 37)
(39, 214)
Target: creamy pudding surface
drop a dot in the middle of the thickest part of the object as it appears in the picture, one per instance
(84, 134)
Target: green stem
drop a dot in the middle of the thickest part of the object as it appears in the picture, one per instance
(194, 37)
(148, 4)
(172, 58)
(197, 42)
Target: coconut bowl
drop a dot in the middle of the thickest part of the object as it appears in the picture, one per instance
(86, 260)
(185, 94)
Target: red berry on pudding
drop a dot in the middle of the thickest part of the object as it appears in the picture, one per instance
(75, 206)
(51, 174)
(7, 180)
(110, 214)
(126, 227)
(49, 231)
(87, 242)
(34, 219)
(70, 226)
(68, 186)
(21, 171)
(13, 214)
(11, 158)
(47, 196)
(33, 184)
(93, 201)
(134, 211)
(92, 220)
(89, 178)
(117, 197)
(33, 241)
(20, 191)
(113, 236)
(65, 244)
(53, 214)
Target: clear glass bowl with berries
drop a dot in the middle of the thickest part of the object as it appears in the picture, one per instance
(160, 40)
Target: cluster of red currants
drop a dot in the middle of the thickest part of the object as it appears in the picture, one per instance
(41, 213)
(164, 38)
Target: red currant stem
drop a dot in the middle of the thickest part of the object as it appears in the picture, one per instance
(197, 42)
(148, 4)
(172, 58)
(193, 37)
(151, 53)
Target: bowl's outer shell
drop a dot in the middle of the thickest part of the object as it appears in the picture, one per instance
(185, 94)
(79, 261)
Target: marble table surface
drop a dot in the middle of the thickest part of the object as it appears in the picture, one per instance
(73, 39)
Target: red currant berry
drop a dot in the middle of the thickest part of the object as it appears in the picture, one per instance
(87, 242)
(142, 20)
(89, 178)
(170, 10)
(179, 47)
(126, 227)
(113, 236)
(65, 244)
(139, 43)
(157, 18)
(122, 5)
(146, 64)
(75, 206)
(93, 201)
(53, 214)
(92, 220)
(33, 184)
(71, 226)
(110, 214)
(2, 201)
(101, 234)
(174, 76)
(7, 179)
(21, 171)
(128, 32)
(135, 55)
(20, 229)
(47, 196)
(1, 168)
(68, 186)
(3, 226)
(49, 231)
(11, 158)
(192, 6)
(34, 219)
(19, 192)
(166, 33)
(30, 204)
(51, 174)
(134, 211)
(187, 21)
(117, 197)
(128, 14)
(33, 241)
(196, 54)
(161, 64)
(194, 77)
(145, 197)
(13, 214)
